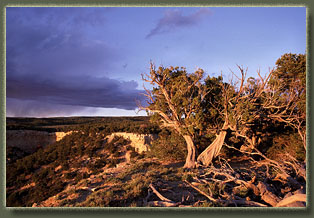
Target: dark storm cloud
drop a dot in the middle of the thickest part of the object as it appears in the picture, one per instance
(52, 60)
(80, 91)
(54, 43)
(174, 19)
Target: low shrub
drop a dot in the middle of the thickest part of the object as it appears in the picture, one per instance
(168, 146)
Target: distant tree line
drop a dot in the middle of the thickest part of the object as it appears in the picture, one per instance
(137, 124)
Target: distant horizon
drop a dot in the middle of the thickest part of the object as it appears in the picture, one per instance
(88, 61)
(83, 116)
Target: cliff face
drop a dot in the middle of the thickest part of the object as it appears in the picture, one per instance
(141, 142)
(30, 140)
(60, 135)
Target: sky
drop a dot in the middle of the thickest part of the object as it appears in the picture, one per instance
(88, 61)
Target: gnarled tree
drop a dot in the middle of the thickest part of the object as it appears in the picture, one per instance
(176, 102)
(250, 106)
(286, 99)
(195, 107)
(241, 110)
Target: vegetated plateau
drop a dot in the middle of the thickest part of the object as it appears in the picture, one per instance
(217, 144)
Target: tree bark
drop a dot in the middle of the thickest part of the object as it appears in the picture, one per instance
(214, 148)
(190, 161)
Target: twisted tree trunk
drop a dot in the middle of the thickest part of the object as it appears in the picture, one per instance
(214, 148)
(190, 161)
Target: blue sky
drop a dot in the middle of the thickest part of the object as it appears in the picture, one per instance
(89, 61)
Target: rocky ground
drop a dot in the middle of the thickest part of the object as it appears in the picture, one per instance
(148, 182)
(112, 174)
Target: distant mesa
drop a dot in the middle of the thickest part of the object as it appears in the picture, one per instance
(31, 140)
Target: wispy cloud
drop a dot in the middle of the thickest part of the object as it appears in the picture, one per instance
(174, 19)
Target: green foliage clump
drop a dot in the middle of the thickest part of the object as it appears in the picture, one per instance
(115, 143)
(188, 177)
(169, 146)
(241, 191)
(286, 144)
(205, 204)
(137, 187)
(98, 199)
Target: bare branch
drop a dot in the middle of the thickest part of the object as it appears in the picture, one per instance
(200, 191)
(160, 196)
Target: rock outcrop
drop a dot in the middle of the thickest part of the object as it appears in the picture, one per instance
(141, 142)
(31, 140)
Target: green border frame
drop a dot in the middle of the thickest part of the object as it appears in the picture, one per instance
(152, 212)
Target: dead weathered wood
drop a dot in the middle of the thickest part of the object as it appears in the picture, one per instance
(160, 196)
(287, 179)
(214, 148)
(162, 204)
(200, 191)
(243, 201)
(147, 197)
(267, 195)
(292, 199)
(300, 169)
(182, 205)
(282, 176)
(187, 196)
(235, 201)
(236, 179)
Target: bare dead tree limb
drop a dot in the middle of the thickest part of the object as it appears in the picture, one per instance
(294, 198)
(200, 191)
(160, 196)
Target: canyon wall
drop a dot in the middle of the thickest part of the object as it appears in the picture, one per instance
(141, 142)
(31, 140)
